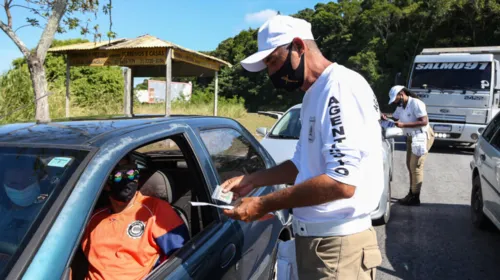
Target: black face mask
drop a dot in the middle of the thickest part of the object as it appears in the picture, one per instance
(288, 78)
(123, 191)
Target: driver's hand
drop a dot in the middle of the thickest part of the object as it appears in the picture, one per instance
(240, 186)
(384, 117)
(249, 209)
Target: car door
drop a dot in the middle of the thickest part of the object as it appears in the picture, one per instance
(212, 252)
(211, 255)
(487, 159)
(491, 173)
(233, 154)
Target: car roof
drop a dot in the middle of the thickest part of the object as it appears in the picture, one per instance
(82, 132)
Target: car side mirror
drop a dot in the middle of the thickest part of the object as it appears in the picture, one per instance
(393, 132)
(262, 131)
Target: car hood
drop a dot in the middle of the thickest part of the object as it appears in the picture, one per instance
(280, 149)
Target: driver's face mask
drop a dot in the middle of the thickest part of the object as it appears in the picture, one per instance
(23, 197)
(123, 183)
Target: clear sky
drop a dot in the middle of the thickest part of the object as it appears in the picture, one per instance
(195, 24)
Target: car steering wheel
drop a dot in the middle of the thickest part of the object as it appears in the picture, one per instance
(7, 248)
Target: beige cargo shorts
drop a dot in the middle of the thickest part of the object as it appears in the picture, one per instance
(347, 257)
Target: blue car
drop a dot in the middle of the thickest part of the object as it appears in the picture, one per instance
(180, 158)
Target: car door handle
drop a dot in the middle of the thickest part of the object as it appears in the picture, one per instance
(227, 255)
(482, 157)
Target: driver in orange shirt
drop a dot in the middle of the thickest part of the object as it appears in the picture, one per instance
(135, 233)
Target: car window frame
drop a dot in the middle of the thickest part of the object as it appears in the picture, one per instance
(44, 225)
(280, 119)
(177, 258)
(494, 126)
(495, 136)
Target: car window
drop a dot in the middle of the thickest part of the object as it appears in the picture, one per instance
(491, 128)
(495, 141)
(231, 153)
(30, 180)
(166, 145)
(288, 126)
(164, 148)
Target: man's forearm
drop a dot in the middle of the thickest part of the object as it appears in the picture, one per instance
(415, 124)
(315, 191)
(284, 173)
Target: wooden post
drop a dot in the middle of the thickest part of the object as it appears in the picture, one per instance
(168, 82)
(131, 91)
(127, 105)
(67, 85)
(216, 92)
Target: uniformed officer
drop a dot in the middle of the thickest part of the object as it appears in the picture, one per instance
(411, 115)
(337, 166)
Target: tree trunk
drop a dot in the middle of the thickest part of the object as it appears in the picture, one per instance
(39, 88)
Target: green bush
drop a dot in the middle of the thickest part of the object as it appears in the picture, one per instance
(99, 89)
(16, 96)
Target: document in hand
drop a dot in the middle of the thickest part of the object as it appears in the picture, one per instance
(387, 123)
(221, 196)
(228, 207)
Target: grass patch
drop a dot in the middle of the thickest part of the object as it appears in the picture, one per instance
(233, 111)
(253, 120)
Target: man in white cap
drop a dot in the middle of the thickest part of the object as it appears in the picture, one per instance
(411, 116)
(337, 166)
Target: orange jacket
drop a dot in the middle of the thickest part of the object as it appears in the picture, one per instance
(127, 245)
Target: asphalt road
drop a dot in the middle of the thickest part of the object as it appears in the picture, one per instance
(437, 239)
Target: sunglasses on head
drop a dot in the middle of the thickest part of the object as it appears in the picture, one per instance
(120, 175)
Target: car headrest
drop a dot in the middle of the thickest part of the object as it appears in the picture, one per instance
(158, 185)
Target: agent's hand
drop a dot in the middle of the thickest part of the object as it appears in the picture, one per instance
(399, 124)
(384, 117)
(241, 186)
(249, 209)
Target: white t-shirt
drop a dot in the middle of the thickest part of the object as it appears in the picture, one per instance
(415, 108)
(341, 137)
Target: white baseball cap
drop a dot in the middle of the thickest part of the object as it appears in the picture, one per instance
(394, 92)
(277, 31)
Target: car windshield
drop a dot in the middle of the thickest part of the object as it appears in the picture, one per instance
(453, 75)
(30, 180)
(288, 127)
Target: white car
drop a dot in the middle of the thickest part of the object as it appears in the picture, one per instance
(485, 167)
(281, 139)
